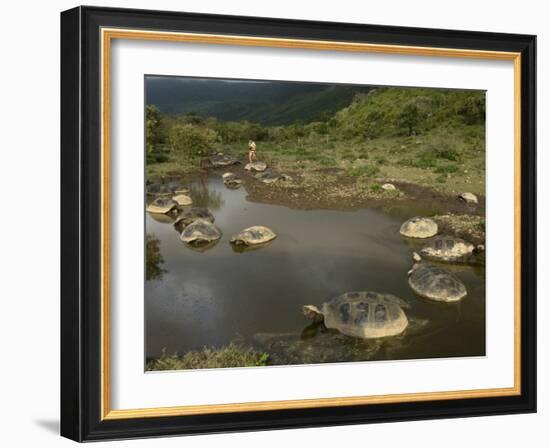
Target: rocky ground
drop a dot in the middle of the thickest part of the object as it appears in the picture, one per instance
(468, 227)
(334, 188)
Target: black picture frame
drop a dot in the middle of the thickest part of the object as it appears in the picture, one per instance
(81, 227)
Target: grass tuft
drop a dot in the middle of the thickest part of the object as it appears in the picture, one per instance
(232, 355)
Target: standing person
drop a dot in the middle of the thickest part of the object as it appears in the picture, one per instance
(251, 151)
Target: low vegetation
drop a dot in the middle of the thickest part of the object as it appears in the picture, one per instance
(469, 227)
(232, 355)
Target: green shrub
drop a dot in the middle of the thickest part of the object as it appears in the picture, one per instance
(409, 119)
(191, 118)
(296, 130)
(229, 132)
(472, 109)
(157, 157)
(374, 124)
(193, 141)
(441, 179)
(443, 147)
(242, 131)
(447, 153)
(152, 125)
(319, 127)
(155, 135)
(277, 133)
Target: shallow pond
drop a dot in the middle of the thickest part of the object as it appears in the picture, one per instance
(218, 296)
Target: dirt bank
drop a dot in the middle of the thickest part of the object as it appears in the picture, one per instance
(333, 188)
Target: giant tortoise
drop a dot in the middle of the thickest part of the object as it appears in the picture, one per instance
(363, 314)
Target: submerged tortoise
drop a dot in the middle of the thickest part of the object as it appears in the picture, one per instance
(447, 248)
(269, 177)
(186, 217)
(157, 189)
(419, 227)
(177, 187)
(435, 283)
(200, 231)
(169, 188)
(255, 166)
(161, 205)
(467, 197)
(363, 314)
(254, 235)
(222, 160)
(231, 180)
(183, 199)
(164, 218)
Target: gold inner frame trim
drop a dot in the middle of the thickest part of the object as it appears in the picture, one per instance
(107, 35)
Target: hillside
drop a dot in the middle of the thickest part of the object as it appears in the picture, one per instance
(430, 137)
(395, 110)
(266, 103)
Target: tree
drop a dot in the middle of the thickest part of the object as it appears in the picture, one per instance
(152, 127)
(193, 141)
(472, 109)
(409, 119)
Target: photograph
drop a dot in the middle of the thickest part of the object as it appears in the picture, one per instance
(275, 222)
(298, 223)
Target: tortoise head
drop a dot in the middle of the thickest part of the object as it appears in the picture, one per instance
(414, 268)
(313, 313)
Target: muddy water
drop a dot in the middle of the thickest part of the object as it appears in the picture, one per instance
(219, 296)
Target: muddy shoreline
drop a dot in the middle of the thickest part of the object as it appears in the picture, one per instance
(334, 189)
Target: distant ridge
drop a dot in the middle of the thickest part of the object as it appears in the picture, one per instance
(264, 102)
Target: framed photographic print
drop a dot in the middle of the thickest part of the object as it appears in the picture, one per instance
(275, 224)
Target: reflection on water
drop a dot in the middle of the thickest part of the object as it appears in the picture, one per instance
(202, 247)
(215, 296)
(203, 196)
(154, 260)
(162, 218)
